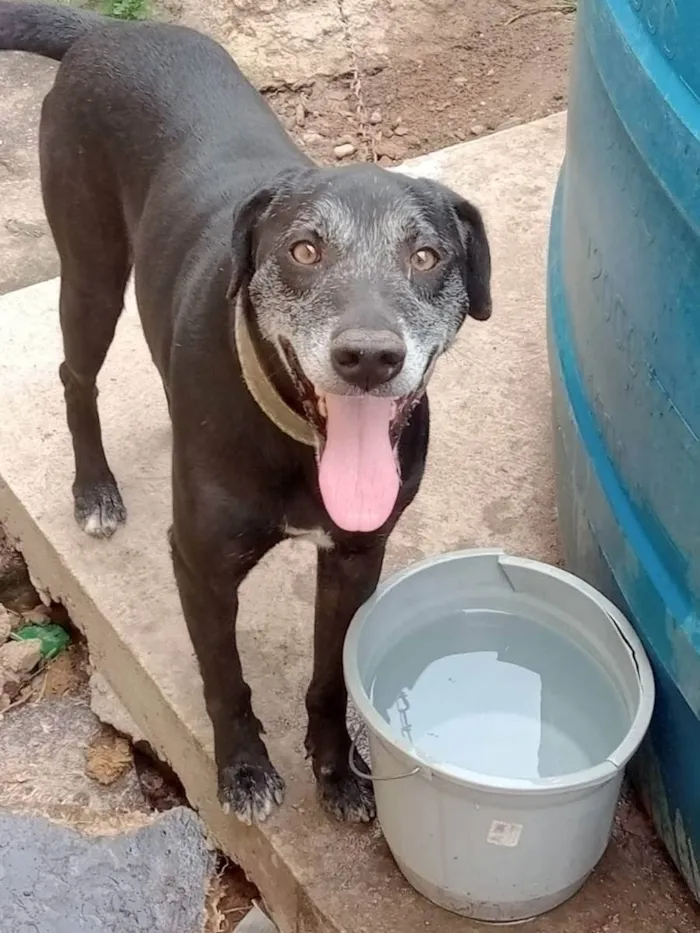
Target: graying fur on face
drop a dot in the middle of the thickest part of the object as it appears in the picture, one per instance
(366, 232)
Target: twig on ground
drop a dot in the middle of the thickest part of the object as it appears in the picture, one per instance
(553, 8)
(23, 698)
(42, 691)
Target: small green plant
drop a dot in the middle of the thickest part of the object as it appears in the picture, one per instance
(126, 9)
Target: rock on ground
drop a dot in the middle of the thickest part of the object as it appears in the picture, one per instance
(91, 853)
(5, 625)
(16, 589)
(108, 708)
(45, 751)
(256, 922)
(150, 880)
(20, 657)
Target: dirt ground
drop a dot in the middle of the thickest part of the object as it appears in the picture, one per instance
(472, 76)
(390, 79)
(394, 78)
(351, 80)
(382, 79)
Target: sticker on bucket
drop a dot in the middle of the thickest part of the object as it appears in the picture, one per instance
(504, 834)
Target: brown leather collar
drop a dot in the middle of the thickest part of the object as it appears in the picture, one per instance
(262, 389)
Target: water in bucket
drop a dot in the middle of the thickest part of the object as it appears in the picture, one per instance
(500, 695)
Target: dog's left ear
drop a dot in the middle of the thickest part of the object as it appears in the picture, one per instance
(455, 217)
(247, 223)
(477, 268)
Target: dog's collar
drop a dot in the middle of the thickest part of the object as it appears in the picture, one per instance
(262, 389)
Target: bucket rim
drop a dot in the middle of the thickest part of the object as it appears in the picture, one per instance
(594, 776)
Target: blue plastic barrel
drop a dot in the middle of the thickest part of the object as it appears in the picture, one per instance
(624, 340)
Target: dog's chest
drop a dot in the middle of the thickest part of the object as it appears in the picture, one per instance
(316, 536)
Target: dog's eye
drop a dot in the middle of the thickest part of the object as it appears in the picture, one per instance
(423, 260)
(305, 253)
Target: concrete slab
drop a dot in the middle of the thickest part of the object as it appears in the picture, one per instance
(26, 245)
(490, 482)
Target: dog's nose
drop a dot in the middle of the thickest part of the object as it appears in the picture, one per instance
(367, 358)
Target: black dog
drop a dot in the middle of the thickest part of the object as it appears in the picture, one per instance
(294, 313)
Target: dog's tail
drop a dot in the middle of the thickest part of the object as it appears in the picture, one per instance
(43, 28)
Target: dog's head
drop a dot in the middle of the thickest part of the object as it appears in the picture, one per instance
(360, 278)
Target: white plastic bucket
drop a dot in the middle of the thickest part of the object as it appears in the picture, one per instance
(497, 845)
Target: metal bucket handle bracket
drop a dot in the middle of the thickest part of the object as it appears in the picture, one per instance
(369, 777)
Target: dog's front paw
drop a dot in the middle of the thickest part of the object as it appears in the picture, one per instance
(100, 510)
(349, 798)
(250, 791)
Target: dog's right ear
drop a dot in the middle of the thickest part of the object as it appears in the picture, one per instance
(477, 272)
(247, 219)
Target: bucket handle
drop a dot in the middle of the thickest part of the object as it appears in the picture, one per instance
(368, 777)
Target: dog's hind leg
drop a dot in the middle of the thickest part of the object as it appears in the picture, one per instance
(86, 219)
(88, 320)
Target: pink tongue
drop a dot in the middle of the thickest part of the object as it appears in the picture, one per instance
(358, 475)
